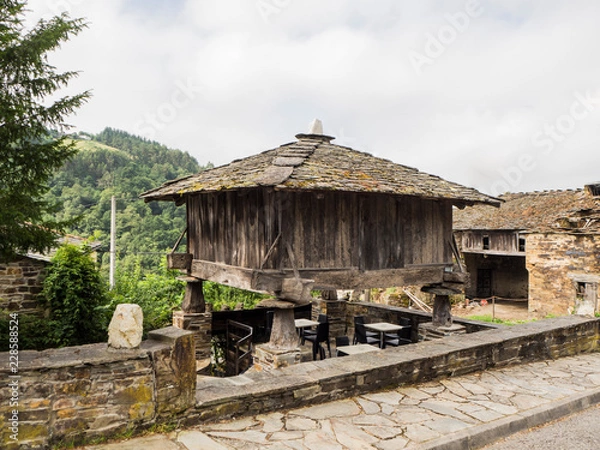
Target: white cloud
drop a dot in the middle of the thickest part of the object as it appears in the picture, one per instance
(258, 81)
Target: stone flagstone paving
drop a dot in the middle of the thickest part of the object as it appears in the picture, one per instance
(403, 417)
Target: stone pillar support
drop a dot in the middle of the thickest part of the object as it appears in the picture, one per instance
(193, 300)
(282, 349)
(441, 324)
(442, 316)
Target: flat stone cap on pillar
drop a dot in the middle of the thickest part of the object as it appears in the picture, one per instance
(440, 290)
(274, 303)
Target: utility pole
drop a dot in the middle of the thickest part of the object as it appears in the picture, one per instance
(113, 234)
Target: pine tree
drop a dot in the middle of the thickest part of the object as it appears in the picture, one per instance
(31, 124)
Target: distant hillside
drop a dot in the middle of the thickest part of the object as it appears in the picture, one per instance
(117, 163)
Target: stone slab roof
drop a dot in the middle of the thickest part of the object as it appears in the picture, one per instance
(314, 164)
(547, 211)
(66, 239)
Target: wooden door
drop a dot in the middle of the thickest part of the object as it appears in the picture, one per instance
(484, 283)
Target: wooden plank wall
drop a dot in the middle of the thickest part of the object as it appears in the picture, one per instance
(325, 230)
(500, 241)
(399, 232)
(235, 228)
(321, 229)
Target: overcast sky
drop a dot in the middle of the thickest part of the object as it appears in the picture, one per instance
(500, 95)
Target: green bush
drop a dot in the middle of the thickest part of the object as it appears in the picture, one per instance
(34, 332)
(75, 295)
(219, 295)
(158, 294)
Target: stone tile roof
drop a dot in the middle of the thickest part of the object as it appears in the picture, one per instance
(313, 163)
(548, 211)
(66, 239)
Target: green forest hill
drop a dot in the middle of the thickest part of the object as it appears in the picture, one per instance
(117, 163)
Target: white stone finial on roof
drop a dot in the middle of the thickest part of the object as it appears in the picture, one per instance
(316, 127)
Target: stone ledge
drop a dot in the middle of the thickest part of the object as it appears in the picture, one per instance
(94, 354)
(90, 354)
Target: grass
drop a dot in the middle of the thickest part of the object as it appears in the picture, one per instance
(488, 318)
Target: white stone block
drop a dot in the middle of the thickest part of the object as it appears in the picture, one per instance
(126, 326)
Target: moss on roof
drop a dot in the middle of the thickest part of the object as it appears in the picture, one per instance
(547, 211)
(313, 163)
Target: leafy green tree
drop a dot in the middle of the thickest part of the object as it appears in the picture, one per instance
(158, 294)
(29, 110)
(76, 296)
(117, 163)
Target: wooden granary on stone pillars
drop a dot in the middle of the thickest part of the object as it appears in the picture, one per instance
(314, 215)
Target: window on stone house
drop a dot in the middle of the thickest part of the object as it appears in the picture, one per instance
(581, 290)
(486, 242)
(521, 244)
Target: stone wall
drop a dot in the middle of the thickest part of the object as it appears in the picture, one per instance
(20, 283)
(76, 393)
(555, 263)
(201, 325)
(335, 378)
(336, 315)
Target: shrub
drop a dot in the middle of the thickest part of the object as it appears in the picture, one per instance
(34, 332)
(219, 295)
(158, 294)
(75, 294)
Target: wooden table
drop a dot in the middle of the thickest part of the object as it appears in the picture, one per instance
(382, 328)
(356, 349)
(305, 323)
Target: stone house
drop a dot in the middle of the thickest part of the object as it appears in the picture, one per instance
(540, 246)
(21, 280)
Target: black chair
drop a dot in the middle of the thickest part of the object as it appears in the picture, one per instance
(341, 341)
(361, 321)
(405, 322)
(361, 337)
(321, 336)
(307, 332)
(403, 336)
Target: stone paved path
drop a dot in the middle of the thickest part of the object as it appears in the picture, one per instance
(430, 415)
